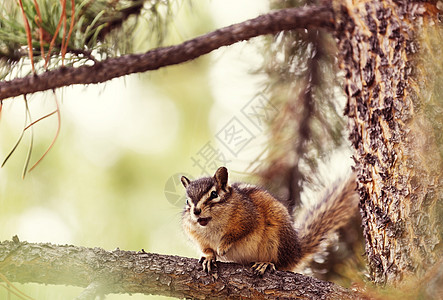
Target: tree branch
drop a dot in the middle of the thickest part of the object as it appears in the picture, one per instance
(117, 271)
(273, 22)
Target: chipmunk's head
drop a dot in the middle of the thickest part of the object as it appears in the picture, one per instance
(205, 196)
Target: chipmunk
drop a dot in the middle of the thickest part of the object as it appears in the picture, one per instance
(245, 224)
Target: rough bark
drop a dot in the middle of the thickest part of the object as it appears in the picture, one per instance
(285, 19)
(104, 272)
(396, 158)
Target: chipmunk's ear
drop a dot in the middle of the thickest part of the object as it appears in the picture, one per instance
(185, 181)
(221, 177)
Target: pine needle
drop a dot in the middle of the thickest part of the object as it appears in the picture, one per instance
(63, 16)
(71, 27)
(17, 143)
(40, 28)
(104, 27)
(54, 36)
(38, 120)
(91, 26)
(56, 134)
(13, 289)
(31, 144)
(28, 35)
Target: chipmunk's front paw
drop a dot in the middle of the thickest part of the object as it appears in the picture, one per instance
(208, 263)
(259, 268)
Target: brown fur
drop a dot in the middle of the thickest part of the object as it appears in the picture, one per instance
(332, 212)
(246, 224)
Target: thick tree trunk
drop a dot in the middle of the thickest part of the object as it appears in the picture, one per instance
(397, 158)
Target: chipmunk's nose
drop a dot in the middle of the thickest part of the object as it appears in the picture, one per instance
(197, 211)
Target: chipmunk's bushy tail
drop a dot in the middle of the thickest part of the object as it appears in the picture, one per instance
(316, 222)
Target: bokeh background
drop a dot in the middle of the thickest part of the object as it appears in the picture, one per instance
(111, 178)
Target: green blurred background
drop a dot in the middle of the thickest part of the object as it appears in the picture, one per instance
(103, 184)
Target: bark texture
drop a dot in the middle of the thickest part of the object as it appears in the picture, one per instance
(396, 158)
(104, 272)
(285, 19)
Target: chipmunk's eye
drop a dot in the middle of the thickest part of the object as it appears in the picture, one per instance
(187, 202)
(214, 195)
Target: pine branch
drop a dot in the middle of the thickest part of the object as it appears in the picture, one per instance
(285, 19)
(104, 272)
